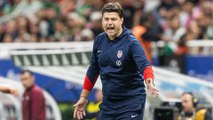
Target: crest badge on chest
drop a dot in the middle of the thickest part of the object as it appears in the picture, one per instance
(118, 63)
(120, 54)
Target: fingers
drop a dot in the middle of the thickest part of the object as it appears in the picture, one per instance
(75, 113)
(15, 92)
(79, 114)
(155, 94)
(76, 104)
(79, 111)
(154, 91)
(84, 113)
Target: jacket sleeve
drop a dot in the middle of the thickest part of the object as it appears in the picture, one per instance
(138, 54)
(93, 70)
(140, 59)
(37, 106)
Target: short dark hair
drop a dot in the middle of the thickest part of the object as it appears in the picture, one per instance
(113, 7)
(26, 71)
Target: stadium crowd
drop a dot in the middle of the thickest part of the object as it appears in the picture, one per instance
(173, 21)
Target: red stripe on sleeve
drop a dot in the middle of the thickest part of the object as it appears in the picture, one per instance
(148, 73)
(88, 85)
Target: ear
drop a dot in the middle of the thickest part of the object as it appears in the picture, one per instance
(122, 20)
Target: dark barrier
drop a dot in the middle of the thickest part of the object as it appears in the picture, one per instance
(165, 113)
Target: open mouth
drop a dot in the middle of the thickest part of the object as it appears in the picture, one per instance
(110, 29)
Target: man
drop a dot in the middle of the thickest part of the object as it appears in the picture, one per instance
(9, 89)
(33, 101)
(121, 62)
(189, 112)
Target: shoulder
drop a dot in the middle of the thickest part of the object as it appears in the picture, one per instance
(201, 111)
(100, 36)
(131, 37)
(200, 114)
(132, 40)
(99, 39)
(37, 93)
(36, 89)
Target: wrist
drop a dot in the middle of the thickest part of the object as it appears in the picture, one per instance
(149, 82)
(83, 96)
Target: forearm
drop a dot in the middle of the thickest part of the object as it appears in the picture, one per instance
(149, 81)
(4, 89)
(85, 93)
(148, 76)
(90, 79)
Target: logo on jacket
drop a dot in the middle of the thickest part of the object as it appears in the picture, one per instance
(120, 53)
(99, 51)
(118, 63)
(133, 116)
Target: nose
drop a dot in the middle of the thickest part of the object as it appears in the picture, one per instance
(109, 24)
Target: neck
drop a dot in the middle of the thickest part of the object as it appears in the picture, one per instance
(119, 33)
(28, 88)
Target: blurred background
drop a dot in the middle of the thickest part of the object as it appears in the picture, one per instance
(53, 38)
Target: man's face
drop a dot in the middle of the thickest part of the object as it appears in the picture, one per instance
(187, 103)
(112, 24)
(27, 80)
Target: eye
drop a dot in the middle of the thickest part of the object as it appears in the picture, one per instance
(114, 19)
(106, 19)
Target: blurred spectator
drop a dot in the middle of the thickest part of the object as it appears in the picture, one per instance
(132, 12)
(189, 109)
(167, 4)
(206, 8)
(60, 30)
(33, 101)
(8, 38)
(11, 29)
(1, 33)
(154, 30)
(67, 6)
(186, 15)
(97, 5)
(9, 6)
(148, 31)
(176, 31)
(96, 25)
(67, 20)
(87, 35)
(209, 32)
(129, 12)
(75, 24)
(85, 9)
(181, 46)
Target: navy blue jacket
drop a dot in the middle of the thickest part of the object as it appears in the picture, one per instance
(120, 63)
